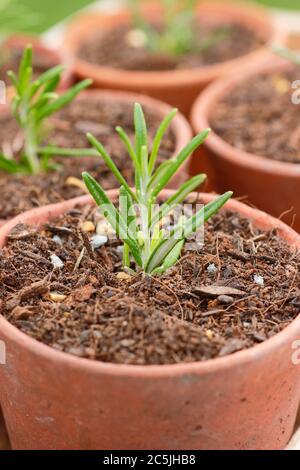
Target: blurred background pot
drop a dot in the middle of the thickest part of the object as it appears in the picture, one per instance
(52, 400)
(270, 185)
(177, 87)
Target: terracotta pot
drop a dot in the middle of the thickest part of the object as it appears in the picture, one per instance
(4, 444)
(268, 184)
(294, 41)
(179, 87)
(180, 127)
(57, 57)
(52, 400)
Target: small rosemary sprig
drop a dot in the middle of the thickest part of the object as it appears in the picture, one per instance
(33, 103)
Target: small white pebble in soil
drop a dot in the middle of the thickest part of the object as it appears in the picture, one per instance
(57, 240)
(56, 261)
(209, 334)
(259, 280)
(136, 38)
(104, 228)
(120, 250)
(98, 240)
(211, 268)
(88, 226)
(55, 297)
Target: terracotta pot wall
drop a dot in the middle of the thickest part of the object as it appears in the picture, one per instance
(52, 400)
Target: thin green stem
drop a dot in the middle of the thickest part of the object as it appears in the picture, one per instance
(30, 145)
(68, 152)
(126, 257)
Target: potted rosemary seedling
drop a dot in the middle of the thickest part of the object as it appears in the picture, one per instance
(258, 154)
(154, 250)
(40, 130)
(170, 50)
(124, 330)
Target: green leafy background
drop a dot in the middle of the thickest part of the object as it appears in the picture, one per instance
(284, 4)
(53, 11)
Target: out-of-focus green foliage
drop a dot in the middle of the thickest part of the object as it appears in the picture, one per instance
(50, 12)
(47, 12)
(283, 4)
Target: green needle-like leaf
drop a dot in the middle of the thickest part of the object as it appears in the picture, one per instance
(125, 139)
(67, 152)
(108, 160)
(50, 79)
(144, 166)
(161, 178)
(158, 138)
(128, 214)
(63, 100)
(13, 78)
(112, 215)
(159, 173)
(178, 197)
(179, 232)
(141, 139)
(25, 64)
(170, 260)
(50, 74)
(202, 216)
(10, 166)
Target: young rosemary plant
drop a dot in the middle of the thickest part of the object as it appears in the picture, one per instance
(176, 33)
(138, 221)
(33, 103)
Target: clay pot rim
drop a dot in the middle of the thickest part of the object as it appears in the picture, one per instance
(204, 104)
(155, 371)
(255, 16)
